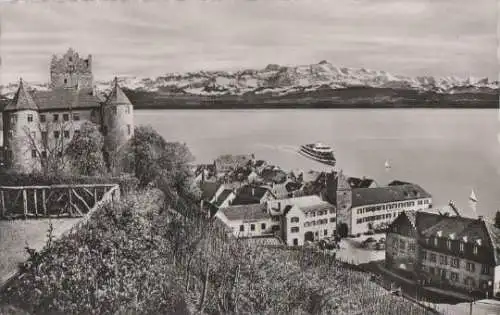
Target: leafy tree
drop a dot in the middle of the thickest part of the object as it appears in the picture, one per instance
(85, 151)
(497, 219)
(156, 161)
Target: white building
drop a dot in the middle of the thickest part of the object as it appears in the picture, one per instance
(250, 220)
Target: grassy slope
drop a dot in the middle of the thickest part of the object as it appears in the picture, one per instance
(129, 260)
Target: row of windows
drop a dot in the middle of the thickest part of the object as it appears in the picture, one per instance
(434, 241)
(56, 133)
(262, 227)
(376, 217)
(455, 262)
(455, 277)
(401, 245)
(391, 206)
(319, 222)
(318, 213)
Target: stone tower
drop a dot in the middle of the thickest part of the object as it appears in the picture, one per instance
(71, 71)
(117, 119)
(21, 132)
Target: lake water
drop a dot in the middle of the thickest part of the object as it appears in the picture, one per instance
(448, 152)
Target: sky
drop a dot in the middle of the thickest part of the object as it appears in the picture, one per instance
(151, 38)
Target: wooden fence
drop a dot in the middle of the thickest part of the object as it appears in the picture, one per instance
(51, 201)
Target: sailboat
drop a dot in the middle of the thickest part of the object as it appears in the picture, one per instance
(387, 165)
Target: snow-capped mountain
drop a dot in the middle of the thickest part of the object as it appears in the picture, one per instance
(284, 80)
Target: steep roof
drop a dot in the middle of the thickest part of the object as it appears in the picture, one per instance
(223, 196)
(65, 99)
(117, 96)
(494, 234)
(22, 100)
(250, 194)
(208, 189)
(246, 212)
(378, 195)
(359, 182)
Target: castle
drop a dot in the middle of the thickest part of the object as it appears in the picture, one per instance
(38, 125)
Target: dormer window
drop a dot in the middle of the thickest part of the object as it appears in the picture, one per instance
(435, 241)
(475, 250)
(462, 247)
(448, 244)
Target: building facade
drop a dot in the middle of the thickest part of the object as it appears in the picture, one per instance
(307, 218)
(38, 125)
(251, 220)
(360, 210)
(459, 253)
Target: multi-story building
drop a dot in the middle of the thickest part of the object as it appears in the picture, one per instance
(460, 253)
(250, 220)
(360, 210)
(306, 218)
(38, 125)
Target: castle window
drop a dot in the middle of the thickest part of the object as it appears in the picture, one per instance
(66, 134)
(129, 129)
(56, 117)
(475, 250)
(294, 219)
(295, 229)
(56, 134)
(462, 247)
(65, 81)
(252, 227)
(263, 226)
(65, 117)
(470, 267)
(30, 117)
(242, 228)
(485, 269)
(42, 118)
(332, 220)
(455, 263)
(44, 154)
(76, 116)
(33, 153)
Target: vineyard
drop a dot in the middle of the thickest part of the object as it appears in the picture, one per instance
(133, 257)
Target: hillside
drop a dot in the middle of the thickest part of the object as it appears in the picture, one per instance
(134, 258)
(315, 85)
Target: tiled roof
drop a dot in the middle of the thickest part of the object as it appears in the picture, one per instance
(246, 212)
(22, 100)
(223, 196)
(208, 189)
(323, 206)
(117, 96)
(378, 195)
(66, 99)
(249, 194)
(457, 226)
(359, 182)
(494, 234)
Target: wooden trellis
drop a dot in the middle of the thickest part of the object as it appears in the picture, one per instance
(50, 201)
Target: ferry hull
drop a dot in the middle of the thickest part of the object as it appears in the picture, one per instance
(307, 154)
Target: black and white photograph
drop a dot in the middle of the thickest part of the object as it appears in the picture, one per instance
(212, 157)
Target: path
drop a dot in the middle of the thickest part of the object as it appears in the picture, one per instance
(15, 234)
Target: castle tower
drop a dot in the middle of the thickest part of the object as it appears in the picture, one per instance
(21, 132)
(71, 71)
(117, 119)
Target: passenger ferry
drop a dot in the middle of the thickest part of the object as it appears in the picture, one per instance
(318, 152)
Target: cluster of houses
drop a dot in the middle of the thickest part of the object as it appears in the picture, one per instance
(254, 199)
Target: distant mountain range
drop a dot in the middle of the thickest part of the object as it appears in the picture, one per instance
(315, 85)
